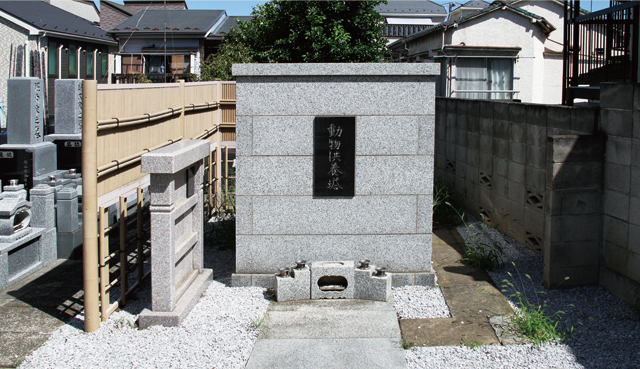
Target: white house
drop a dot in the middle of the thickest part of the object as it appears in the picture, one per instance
(507, 50)
(404, 18)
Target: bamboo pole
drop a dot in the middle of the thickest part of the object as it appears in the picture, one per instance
(218, 189)
(89, 205)
(103, 264)
(182, 104)
(123, 250)
(139, 231)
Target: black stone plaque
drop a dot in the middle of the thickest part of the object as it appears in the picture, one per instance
(16, 164)
(69, 154)
(334, 156)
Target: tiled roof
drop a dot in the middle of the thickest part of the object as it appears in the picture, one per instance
(229, 23)
(50, 18)
(475, 4)
(118, 7)
(498, 4)
(177, 21)
(411, 7)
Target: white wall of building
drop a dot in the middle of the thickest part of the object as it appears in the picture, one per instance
(79, 8)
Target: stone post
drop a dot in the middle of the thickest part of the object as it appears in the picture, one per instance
(69, 231)
(177, 274)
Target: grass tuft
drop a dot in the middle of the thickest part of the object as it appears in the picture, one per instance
(533, 321)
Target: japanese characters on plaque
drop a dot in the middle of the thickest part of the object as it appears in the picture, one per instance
(334, 142)
(38, 124)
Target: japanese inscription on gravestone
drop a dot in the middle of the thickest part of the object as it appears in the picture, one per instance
(334, 142)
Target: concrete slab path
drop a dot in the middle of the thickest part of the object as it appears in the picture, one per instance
(329, 334)
(30, 310)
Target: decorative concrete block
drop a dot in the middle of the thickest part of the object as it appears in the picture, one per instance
(25, 115)
(426, 279)
(68, 106)
(332, 280)
(370, 286)
(296, 286)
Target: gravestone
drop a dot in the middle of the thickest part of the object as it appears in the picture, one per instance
(26, 157)
(177, 274)
(68, 124)
(334, 163)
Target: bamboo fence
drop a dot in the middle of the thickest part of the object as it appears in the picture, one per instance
(120, 124)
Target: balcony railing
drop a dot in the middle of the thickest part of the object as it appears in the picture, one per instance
(599, 47)
(153, 77)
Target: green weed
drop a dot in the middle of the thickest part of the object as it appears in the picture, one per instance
(470, 343)
(407, 344)
(480, 253)
(258, 321)
(532, 321)
(445, 202)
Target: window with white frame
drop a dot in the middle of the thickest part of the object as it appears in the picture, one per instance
(484, 78)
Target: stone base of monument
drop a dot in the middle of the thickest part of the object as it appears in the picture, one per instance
(333, 280)
(68, 243)
(185, 304)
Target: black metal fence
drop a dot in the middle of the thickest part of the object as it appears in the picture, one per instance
(599, 47)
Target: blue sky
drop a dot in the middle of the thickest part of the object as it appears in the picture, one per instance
(244, 7)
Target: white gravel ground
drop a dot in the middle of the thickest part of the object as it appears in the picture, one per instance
(606, 332)
(418, 302)
(220, 332)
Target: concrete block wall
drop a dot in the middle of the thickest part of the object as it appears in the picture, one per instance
(573, 209)
(620, 121)
(495, 154)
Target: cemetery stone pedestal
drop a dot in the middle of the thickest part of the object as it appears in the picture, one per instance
(177, 274)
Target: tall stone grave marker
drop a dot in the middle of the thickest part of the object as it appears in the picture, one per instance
(26, 157)
(68, 124)
(177, 274)
(334, 163)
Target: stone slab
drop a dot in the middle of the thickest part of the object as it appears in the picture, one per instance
(188, 300)
(341, 69)
(175, 157)
(68, 106)
(25, 114)
(14, 346)
(447, 332)
(357, 215)
(398, 253)
(337, 319)
(363, 353)
(335, 95)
